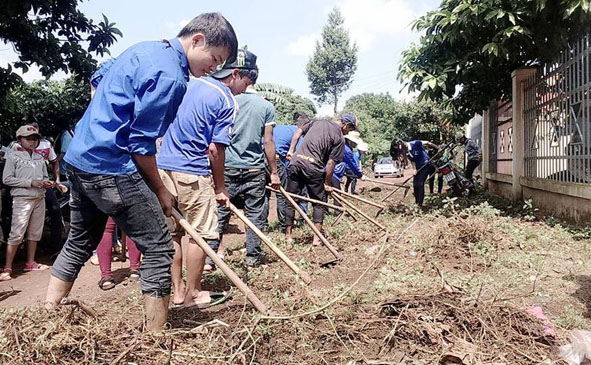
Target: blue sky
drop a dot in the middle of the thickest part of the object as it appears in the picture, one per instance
(281, 33)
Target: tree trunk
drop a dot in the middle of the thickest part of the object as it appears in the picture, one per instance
(336, 102)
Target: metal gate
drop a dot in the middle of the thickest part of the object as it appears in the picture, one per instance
(557, 117)
(501, 137)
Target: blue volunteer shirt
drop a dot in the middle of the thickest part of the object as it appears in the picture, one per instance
(349, 162)
(134, 103)
(282, 134)
(206, 115)
(417, 154)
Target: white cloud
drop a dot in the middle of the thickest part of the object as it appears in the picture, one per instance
(304, 45)
(369, 20)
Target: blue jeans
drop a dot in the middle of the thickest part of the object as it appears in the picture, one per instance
(247, 190)
(418, 183)
(134, 208)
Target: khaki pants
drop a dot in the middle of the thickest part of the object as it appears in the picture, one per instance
(196, 200)
(28, 217)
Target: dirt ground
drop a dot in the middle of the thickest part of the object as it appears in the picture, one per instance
(451, 284)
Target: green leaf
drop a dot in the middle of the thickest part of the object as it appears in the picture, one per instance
(512, 18)
(460, 8)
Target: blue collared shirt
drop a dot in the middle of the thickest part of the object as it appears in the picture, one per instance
(282, 134)
(349, 162)
(206, 115)
(134, 104)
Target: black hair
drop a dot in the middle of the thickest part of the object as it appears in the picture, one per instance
(217, 30)
(398, 149)
(299, 117)
(252, 74)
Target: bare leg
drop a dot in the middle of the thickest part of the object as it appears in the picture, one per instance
(178, 284)
(56, 291)
(11, 251)
(195, 265)
(316, 241)
(156, 312)
(288, 233)
(31, 249)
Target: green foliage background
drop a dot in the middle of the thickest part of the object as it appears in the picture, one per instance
(52, 104)
(469, 48)
(381, 118)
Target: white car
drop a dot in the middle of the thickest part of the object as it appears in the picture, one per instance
(385, 168)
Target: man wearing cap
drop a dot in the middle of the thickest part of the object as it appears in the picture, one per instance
(245, 158)
(350, 162)
(112, 164)
(312, 165)
(191, 163)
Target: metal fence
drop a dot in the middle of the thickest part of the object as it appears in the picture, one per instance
(501, 138)
(557, 117)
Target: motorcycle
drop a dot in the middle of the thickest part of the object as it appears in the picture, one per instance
(445, 166)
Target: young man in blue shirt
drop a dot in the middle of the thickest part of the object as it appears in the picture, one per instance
(111, 159)
(245, 161)
(191, 162)
(415, 152)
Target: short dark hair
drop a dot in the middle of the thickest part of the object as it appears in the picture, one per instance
(217, 30)
(300, 118)
(252, 74)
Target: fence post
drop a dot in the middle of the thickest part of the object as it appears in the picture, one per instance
(485, 145)
(518, 77)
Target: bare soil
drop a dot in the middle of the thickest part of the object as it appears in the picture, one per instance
(450, 289)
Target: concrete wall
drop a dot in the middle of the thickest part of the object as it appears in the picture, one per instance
(569, 201)
(499, 184)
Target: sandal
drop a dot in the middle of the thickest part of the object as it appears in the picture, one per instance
(6, 275)
(215, 298)
(106, 283)
(34, 266)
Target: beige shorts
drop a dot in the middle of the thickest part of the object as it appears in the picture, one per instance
(28, 217)
(196, 200)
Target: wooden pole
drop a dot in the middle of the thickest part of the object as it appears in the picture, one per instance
(342, 200)
(366, 201)
(301, 273)
(310, 200)
(310, 223)
(398, 188)
(260, 306)
(386, 183)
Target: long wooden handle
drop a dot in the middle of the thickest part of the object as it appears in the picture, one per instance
(342, 200)
(310, 200)
(296, 269)
(406, 187)
(366, 201)
(310, 223)
(260, 306)
(386, 183)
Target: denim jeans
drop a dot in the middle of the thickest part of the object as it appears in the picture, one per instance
(247, 190)
(418, 183)
(134, 208)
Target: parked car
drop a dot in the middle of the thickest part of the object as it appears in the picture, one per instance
(385, 167)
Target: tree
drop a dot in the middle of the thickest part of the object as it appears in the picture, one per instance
(470, 47)
(330, 70)
(54, 35)
(52, 104)
(285, 101)
(381, 118)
